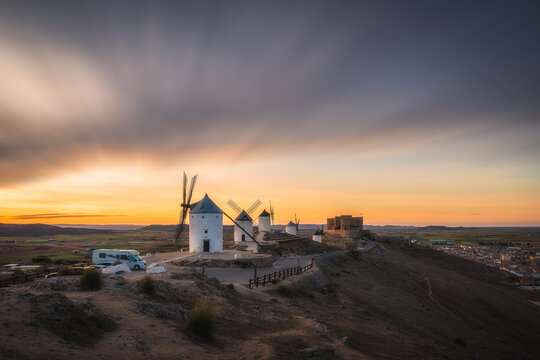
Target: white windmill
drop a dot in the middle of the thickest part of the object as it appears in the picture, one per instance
(205, 226)
(292, 227)
(205, 221)
(264, 222)
(243, 223)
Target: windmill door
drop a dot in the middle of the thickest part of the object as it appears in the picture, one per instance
(206, 245)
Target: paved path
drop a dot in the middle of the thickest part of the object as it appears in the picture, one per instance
(236, 275)
(239, 275)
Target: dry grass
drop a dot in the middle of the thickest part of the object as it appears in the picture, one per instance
(203, 316)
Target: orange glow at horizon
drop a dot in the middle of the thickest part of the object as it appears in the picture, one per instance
(141, 195)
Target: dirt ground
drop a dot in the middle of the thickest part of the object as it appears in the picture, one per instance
(390, 303)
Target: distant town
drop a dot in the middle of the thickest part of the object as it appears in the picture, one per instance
(519, 259)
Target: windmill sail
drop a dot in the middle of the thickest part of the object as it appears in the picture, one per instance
(234, 206)
(254, 206)
(186, 202)
(271, 212)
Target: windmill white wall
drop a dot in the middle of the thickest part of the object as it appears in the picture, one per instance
(317, 237)
(246, 225)
(246, 222)
(205, 227)
(290, 228)
(264, 222)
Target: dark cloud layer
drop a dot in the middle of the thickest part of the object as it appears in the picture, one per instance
(56, 216)
(167, 80)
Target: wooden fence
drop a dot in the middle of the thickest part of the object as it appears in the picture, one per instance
(274, 277)
(18, 278)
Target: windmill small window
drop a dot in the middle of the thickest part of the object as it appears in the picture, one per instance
(206, 231)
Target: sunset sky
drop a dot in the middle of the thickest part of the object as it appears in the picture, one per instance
(408, 112)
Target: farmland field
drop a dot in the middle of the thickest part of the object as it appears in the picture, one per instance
(61, 247)
(481, 236)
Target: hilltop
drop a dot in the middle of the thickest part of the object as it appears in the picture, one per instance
(391, 302)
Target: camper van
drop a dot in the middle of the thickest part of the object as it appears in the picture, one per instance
(108, 257)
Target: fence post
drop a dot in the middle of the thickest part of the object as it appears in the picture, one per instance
(257, 281)
(249, 286)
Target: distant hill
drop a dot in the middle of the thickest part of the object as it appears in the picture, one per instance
(43, 229)
(171, 228)
(102, 227)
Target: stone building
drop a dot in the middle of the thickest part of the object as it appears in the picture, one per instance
(345, 225)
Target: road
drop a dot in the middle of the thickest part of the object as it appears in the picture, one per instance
(236, 275)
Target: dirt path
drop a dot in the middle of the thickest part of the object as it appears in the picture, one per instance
(430, 297)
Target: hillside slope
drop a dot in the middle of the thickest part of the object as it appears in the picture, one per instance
(390, 303)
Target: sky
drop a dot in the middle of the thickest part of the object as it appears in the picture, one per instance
(404, 112)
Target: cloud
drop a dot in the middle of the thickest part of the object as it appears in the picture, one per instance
(57, 215)
(199, 82)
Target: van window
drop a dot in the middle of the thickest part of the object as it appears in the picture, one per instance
(102, 255)
(123, 257)
(132, 258)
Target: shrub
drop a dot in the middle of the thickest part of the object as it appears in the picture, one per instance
(202, 318)
(148, 285)
(70, 271)
(284, 290)
(41, 259)
(91, 279)
(459, 341)
(352, 248)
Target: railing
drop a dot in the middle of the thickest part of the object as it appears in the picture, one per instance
(274, 277)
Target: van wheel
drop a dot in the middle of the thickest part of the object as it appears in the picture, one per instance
(136, 267)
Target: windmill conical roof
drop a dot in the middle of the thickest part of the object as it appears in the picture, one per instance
(291, 224)
(205, 206)
(264, 213)
(243, 216)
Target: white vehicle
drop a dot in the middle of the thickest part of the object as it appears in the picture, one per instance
(108, 257)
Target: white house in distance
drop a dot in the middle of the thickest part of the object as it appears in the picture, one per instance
(317, 236)
(290, 228)
(246, 222)
(205, 226)
(264, 222)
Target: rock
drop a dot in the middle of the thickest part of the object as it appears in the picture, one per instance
(56, 284)
(345, 340)
(310, 352)
(163, 311)
(133, 342)
(80, 322)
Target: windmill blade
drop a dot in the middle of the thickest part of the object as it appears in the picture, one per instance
(271, 212)
(185, 185)
(185, 205)
(180, 227)
(191, 187)
(254, 206)
(234, 206)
